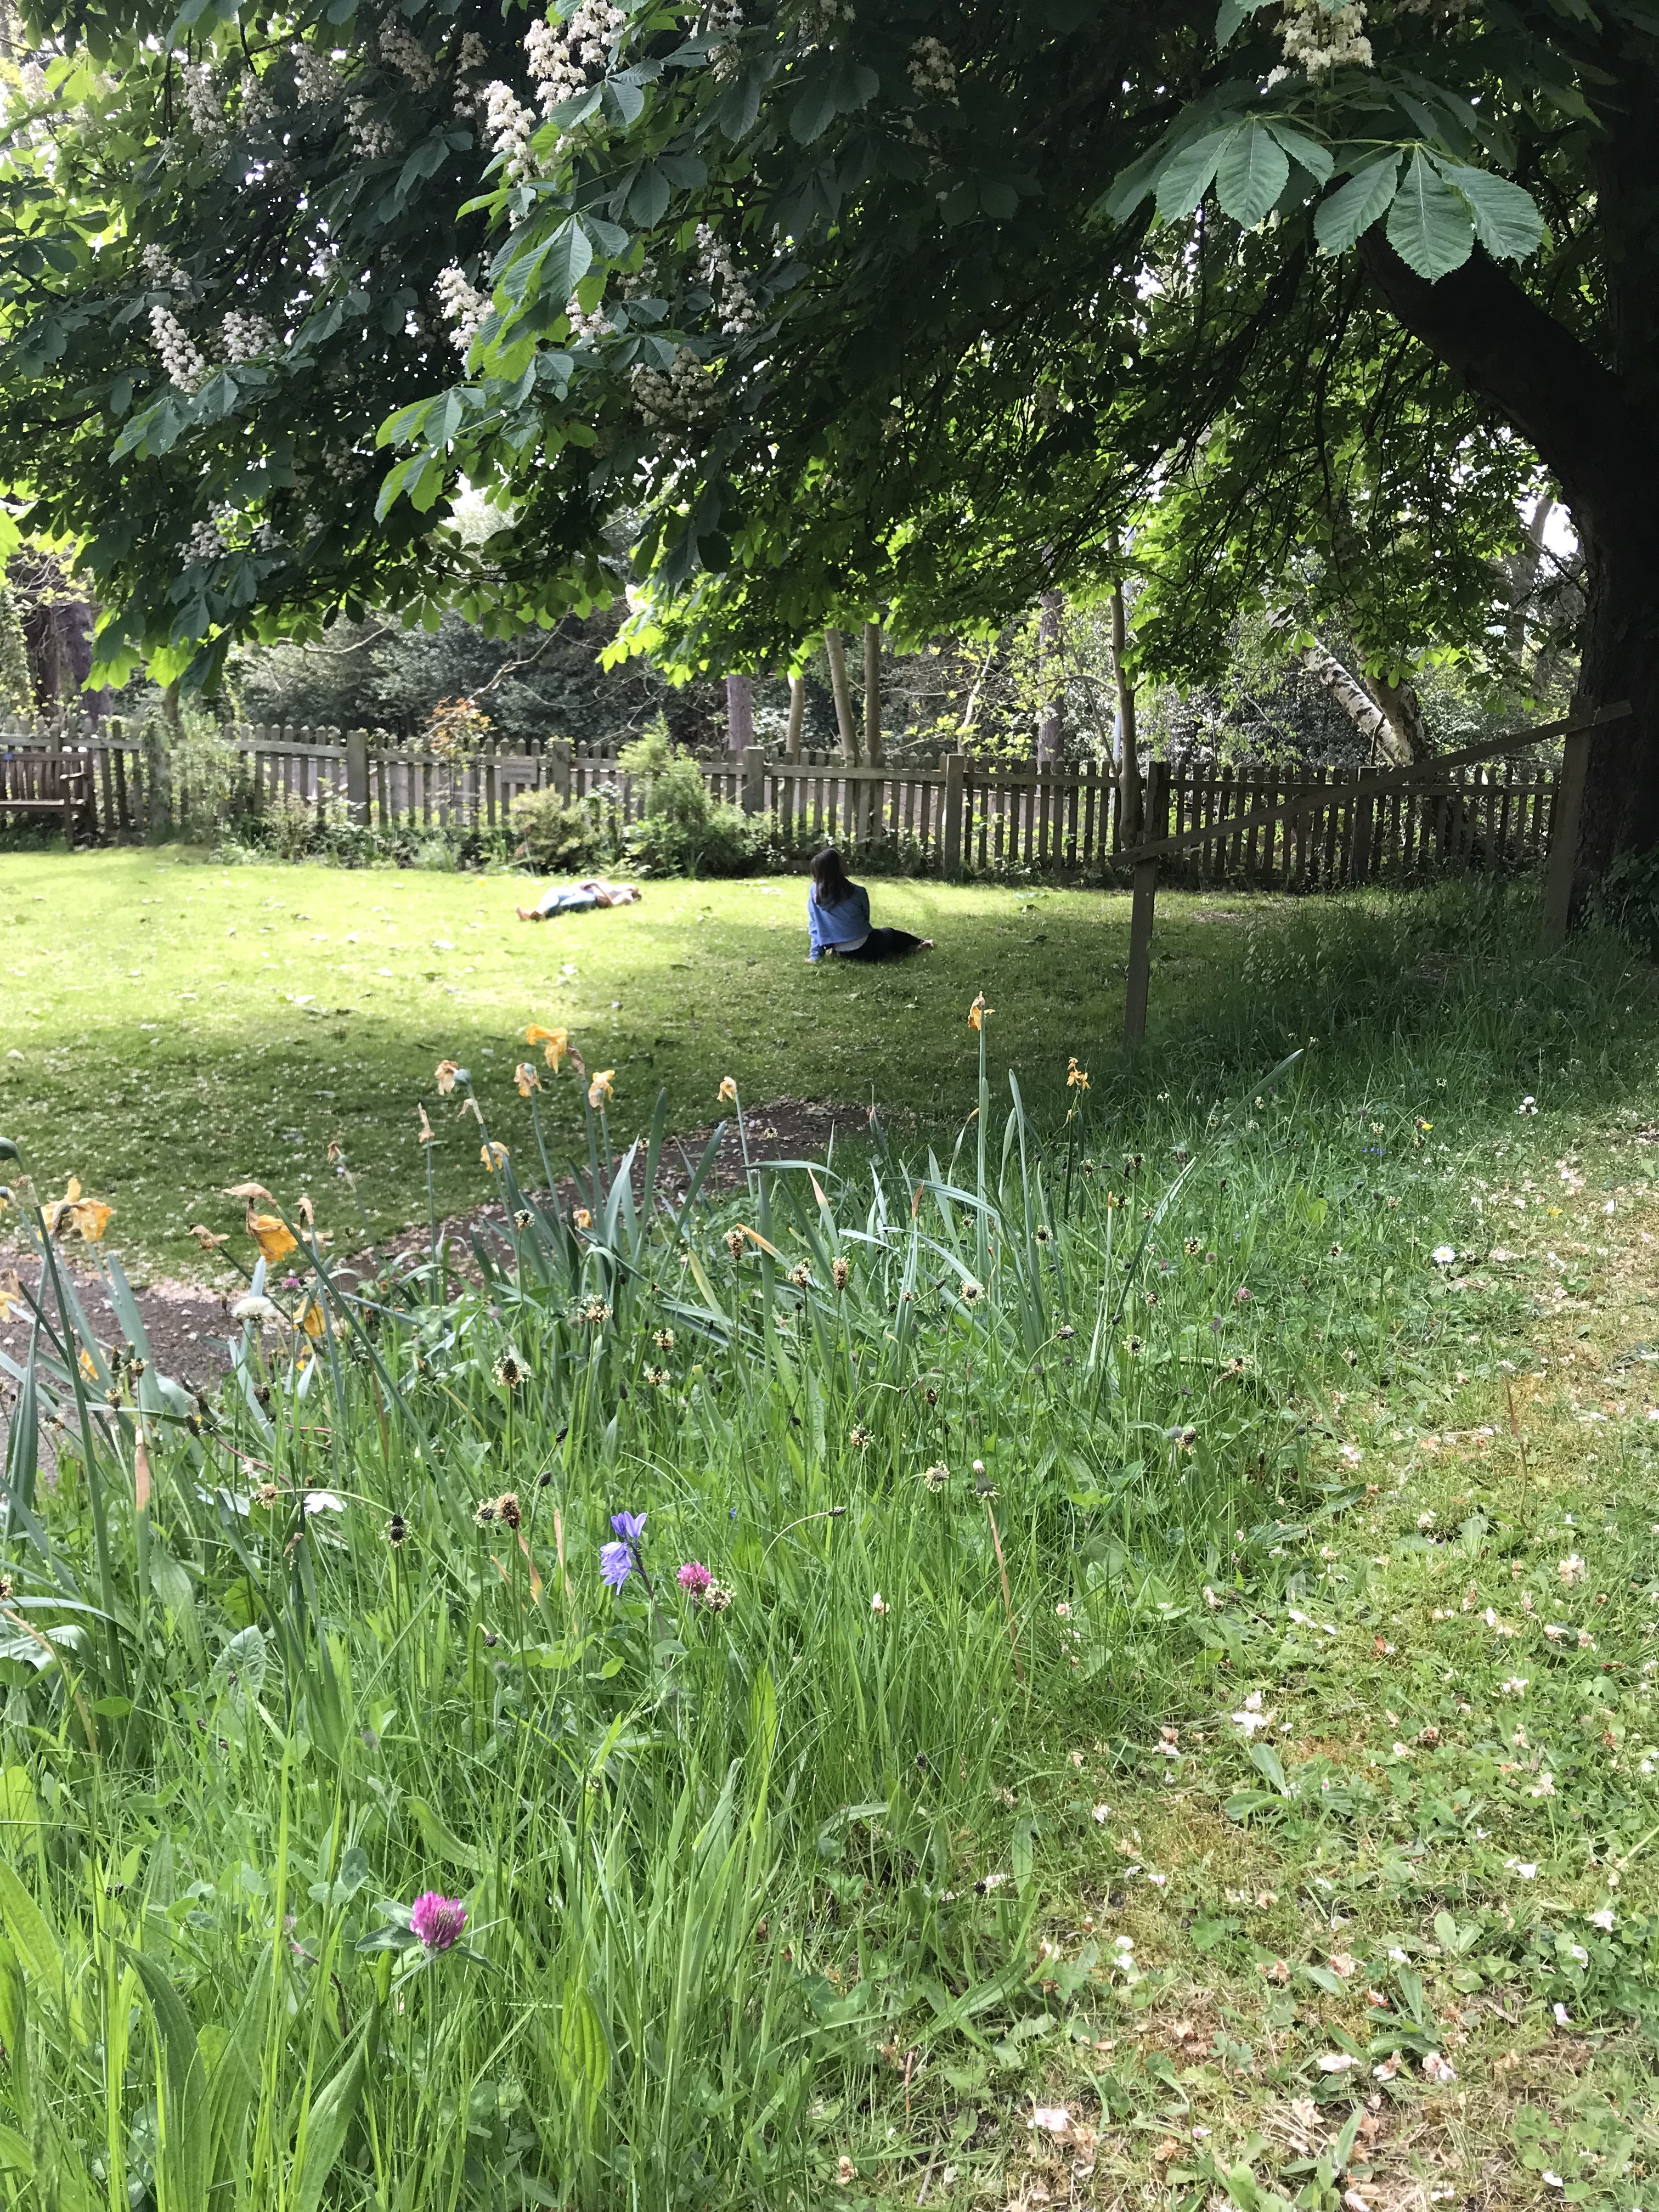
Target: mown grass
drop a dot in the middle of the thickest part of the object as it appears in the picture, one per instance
(980, 1891)
(178, 1026)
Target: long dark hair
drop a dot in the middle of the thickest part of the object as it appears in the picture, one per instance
(829, 884)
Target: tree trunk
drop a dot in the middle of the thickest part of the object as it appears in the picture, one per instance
(1591, 422)
(797, 718)
(1356, 703)
(835, 653)
(740, 712)
(1131, 806)
(1404, 709)
(1618, 660)
(873, 751)
(1051, 716)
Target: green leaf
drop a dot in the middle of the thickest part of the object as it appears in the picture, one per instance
(648, 200)
(624, 101)
(440, 1839)
(324, 2129)
(189, 2134)
(1315, 159)
(1130, 185)
(840, 90)
(584, 2056)
(1506, 218)
(1430, 225)
(1349, 212)
(1185, 177)
(30, 1930)
(1232, 16)
(1252, 172)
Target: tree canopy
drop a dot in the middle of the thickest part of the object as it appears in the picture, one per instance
(796, 308)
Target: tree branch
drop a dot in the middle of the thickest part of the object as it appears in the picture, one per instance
(1532, 370)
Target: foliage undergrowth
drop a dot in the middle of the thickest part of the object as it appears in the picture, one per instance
(1006, 1460)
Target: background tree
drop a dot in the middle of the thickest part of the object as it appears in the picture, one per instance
(835, 306)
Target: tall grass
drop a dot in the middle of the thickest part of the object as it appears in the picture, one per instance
(967, 1441)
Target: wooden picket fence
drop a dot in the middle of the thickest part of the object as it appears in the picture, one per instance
(949, 816)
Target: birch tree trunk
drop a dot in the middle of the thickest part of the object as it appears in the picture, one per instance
(1131, 803)
(874, 750)
(1051, 716)
(1356, 703)
(835, 653)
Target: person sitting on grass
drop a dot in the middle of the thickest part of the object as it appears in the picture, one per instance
(579, 898)
(838, 918)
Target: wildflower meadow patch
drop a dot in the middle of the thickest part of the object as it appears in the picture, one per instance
(1088, 1659)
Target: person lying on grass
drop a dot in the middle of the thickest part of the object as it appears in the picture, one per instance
(579, 898)
(838, 918)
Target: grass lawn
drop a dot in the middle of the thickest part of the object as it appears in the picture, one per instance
(1172, 1721)
(171, 1027)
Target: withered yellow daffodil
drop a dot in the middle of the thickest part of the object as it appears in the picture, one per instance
(272, 1233)
(977, 1012)
(426, 1135)
(88, 1217)
(728, 1090)
(494, 1156)
(556, 1042)
(449, 1074)
(602, 1088)
(526, 1078)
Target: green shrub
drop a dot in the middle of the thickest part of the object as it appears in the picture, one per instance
(682, 831)
(556, 834)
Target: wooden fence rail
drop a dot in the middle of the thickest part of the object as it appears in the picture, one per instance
(1316, 829)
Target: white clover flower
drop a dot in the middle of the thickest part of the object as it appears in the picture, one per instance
(1437, 2069)
(879, 1604)
(1571, 1569)
(1603, 1920)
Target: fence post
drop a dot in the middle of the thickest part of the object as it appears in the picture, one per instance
(1564, 840)
(1155, 818)
(950, 850)
(356, 768)
(754, 779)
(558, 754)
(1359, 844)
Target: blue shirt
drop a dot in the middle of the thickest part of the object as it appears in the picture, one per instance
(837, 928)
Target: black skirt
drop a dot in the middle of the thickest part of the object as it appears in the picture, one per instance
(883, 945)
